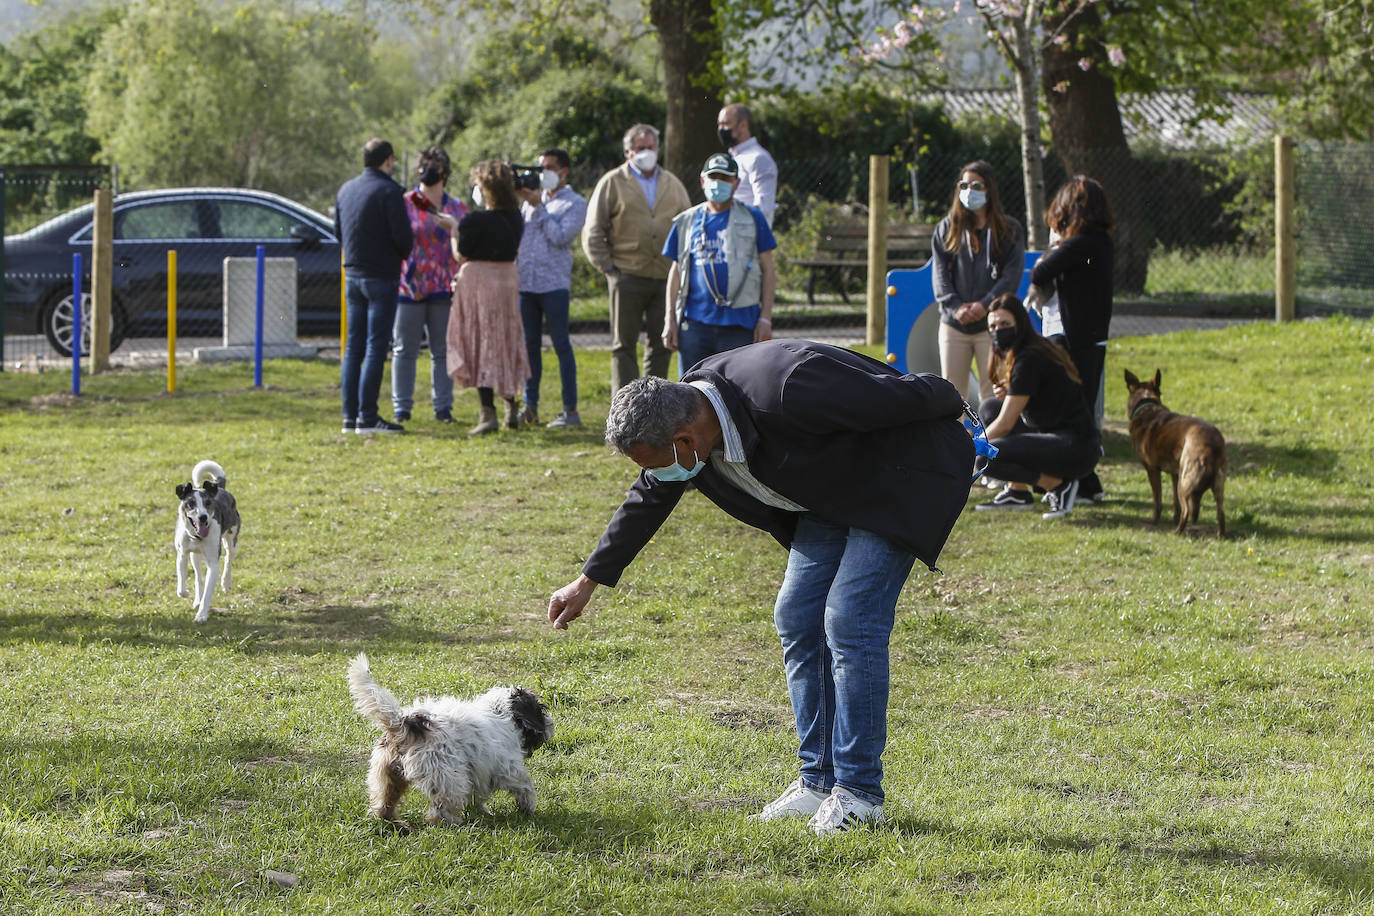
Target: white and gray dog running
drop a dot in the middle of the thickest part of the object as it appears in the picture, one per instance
(456, 752)
(207, 520)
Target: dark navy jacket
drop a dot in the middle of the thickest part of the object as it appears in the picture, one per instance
(1080, 268)
(370, 218)
(850, 438)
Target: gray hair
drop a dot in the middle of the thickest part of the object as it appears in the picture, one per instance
(636, 131)
(648, 411)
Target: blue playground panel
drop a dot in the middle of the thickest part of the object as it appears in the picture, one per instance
(913, 320)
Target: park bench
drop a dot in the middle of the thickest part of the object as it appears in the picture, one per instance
(842, 249)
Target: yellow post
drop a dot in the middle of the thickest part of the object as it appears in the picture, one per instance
(102, 295)
(343, 306)
(171, 320)
(877, 248)
(1285, 231)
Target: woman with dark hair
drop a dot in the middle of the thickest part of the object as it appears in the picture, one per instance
(1079, 269)
(486, 343)
(1037, 418)
(426, 293)
(977, 254)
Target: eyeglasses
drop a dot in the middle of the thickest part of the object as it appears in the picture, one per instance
(975, 185)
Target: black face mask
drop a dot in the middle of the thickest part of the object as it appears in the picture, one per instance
(1003, 338)
(432, 173)
(727, 139)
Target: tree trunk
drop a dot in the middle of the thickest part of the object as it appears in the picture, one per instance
(1032, 168)
(688, 38)
(1085, 124)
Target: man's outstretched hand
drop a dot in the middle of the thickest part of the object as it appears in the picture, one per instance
(567, 603)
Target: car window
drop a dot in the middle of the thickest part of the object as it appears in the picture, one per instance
(241, 219)
(171, 219)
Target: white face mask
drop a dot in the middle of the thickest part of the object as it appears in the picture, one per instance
(645, 159)
(477, 194)
(972, 199)
(548, 179)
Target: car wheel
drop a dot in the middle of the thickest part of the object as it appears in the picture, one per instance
(57, 323)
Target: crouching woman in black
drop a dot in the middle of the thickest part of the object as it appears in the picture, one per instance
(1038, 417)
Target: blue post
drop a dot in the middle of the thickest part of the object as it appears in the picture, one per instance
(257, 330)
(76, 323)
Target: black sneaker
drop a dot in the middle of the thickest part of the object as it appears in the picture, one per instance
(348, 427)
(1009, 499)
(378, 426)
(442, 416)
(1061, 499)
(402, 416)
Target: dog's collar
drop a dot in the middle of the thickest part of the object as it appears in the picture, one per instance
(1143, 403)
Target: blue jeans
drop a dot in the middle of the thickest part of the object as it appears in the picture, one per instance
(552, 307)
(834, 615)
(413, 318)
(696, 341)
(371, 310)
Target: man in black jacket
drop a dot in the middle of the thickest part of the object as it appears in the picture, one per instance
(855, 468)
(373, 227)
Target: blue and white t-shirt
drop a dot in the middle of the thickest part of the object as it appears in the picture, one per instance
(709, 272)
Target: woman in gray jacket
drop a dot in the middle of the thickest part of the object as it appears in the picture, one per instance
(977, 254)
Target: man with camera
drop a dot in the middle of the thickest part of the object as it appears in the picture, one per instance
(629, 215)
(758, 173)
(554, 214)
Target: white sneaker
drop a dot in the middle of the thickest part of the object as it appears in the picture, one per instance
(795, 801)
(842, 811)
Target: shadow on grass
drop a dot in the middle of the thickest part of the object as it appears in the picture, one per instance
(95, 769)
(1243, 458)
(1350, 874)
(1327, 524)
(307, 631)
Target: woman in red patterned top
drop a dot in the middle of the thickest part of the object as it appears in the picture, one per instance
(426, 289)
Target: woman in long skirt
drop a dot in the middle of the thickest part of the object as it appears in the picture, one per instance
(486, 343)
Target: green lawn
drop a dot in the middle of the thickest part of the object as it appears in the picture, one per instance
(1088, 716)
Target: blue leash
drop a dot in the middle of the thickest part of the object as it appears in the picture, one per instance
(983, 450)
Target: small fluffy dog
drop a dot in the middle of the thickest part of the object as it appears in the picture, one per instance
(207, 521)
(456, 752)
(1191, 450)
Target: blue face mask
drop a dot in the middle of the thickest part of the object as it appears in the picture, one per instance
(675, 472)
(717, 191)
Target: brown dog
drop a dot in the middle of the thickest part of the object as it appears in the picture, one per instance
(1190, 449)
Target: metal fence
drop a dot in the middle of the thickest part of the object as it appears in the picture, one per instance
(1335, 197)
(203, 227)
(1194, 228)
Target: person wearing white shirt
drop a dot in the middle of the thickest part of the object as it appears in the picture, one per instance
(758, 173)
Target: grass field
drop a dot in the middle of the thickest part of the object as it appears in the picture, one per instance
(1088, 716)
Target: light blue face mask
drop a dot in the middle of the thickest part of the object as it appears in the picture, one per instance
(675, 471)
(717, 191)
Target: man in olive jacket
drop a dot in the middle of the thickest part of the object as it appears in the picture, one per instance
(628, 218)
(855, 468)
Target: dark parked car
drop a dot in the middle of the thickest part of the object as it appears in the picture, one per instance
(204, 225)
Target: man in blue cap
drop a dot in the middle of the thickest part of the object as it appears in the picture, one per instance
(720, 287)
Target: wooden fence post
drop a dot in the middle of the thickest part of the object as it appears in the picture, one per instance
(102, 253)
(1285, 230)
(877, 248)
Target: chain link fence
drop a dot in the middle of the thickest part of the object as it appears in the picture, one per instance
(1194, 228)
(30, 195)
(202, 227)
(1194, 240)
(1334, 198)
